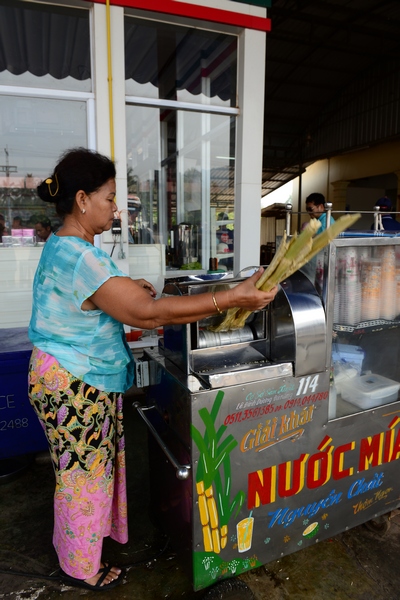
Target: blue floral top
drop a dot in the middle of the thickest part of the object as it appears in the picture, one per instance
(88, 343)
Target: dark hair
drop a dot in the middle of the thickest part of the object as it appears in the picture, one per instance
(316, 198)
(45, 222)
(77, 169)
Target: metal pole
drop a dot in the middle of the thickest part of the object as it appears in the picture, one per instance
(376, 218)
(288, 209)
(328, 208)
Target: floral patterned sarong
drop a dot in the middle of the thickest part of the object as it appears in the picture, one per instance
(84, 429)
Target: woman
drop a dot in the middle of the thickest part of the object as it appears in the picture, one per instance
(81, 364)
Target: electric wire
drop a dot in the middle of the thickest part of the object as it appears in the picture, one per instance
(115, 243)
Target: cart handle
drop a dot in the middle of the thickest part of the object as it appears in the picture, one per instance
(182, 471)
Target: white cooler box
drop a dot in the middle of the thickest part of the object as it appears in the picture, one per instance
(368, 391)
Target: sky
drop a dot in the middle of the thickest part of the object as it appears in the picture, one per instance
(281, 195)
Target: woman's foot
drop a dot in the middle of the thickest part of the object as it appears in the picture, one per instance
(109, 574)
(107, 578)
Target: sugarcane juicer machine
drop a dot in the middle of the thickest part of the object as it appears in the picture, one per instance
(214, 402)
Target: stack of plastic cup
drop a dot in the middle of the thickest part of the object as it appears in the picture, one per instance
(370, 289)
(364, 253)
(336, 300)
(349, 287)
(319, 271)
(388, 283)
(398, 290)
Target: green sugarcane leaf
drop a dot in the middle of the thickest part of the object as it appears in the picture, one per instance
(221, 457)
(213, 415)
(217, 405)
(210, 434)
(237, 504)
(227, 441)
(221, 432)
(198, 438)
(205, 461)
(221, 500)
(227, 476)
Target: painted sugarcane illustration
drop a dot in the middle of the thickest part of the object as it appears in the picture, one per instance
(213, 479)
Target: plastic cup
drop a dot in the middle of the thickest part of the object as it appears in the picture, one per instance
(244, 531)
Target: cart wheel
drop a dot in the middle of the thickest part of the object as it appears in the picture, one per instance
(380, 525)
(232, 589)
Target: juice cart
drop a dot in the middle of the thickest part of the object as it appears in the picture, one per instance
(270, 438)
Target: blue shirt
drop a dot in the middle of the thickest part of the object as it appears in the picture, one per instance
(322, 220)
(88, 343)
(389, 223)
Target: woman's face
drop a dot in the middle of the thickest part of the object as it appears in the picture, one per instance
(100, 207)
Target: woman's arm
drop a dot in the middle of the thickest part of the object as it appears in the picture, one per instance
(132, 302)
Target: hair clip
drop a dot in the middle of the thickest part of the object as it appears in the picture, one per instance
(49, 181)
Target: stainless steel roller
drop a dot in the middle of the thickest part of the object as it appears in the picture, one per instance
(210, 339)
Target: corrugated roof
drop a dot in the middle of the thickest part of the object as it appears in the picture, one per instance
(332, 81)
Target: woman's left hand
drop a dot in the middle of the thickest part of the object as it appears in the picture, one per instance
(147, 286)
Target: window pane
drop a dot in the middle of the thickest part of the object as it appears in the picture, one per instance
(34, 133)
(206, 184)
(44, 46)
(181, 184)
(179, 63)
(143, 156)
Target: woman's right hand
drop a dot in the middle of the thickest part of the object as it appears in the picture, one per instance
(246, 295)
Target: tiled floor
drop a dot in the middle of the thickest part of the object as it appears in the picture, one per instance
(358, 564)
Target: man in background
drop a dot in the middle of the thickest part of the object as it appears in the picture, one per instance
(3, 230)
(315, 206)
(43, 230)
(389, 223)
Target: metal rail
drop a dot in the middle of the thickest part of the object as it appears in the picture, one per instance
(182, 471)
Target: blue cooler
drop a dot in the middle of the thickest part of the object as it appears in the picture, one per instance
(20, 430)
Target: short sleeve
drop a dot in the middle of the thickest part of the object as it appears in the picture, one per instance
(93, 268)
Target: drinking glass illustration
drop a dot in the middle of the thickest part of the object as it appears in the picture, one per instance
(245, 534)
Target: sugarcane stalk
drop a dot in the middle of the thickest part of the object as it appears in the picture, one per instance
(289, 249)
(323, 239)
(232, 313)
(286, 253)
(326, 236)
(291, 257)
(279, 254)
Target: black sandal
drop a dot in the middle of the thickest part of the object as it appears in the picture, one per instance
(73, 581)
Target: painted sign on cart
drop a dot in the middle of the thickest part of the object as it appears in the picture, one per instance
(273, 475)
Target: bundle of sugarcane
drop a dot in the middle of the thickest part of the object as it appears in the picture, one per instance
(290, 256)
